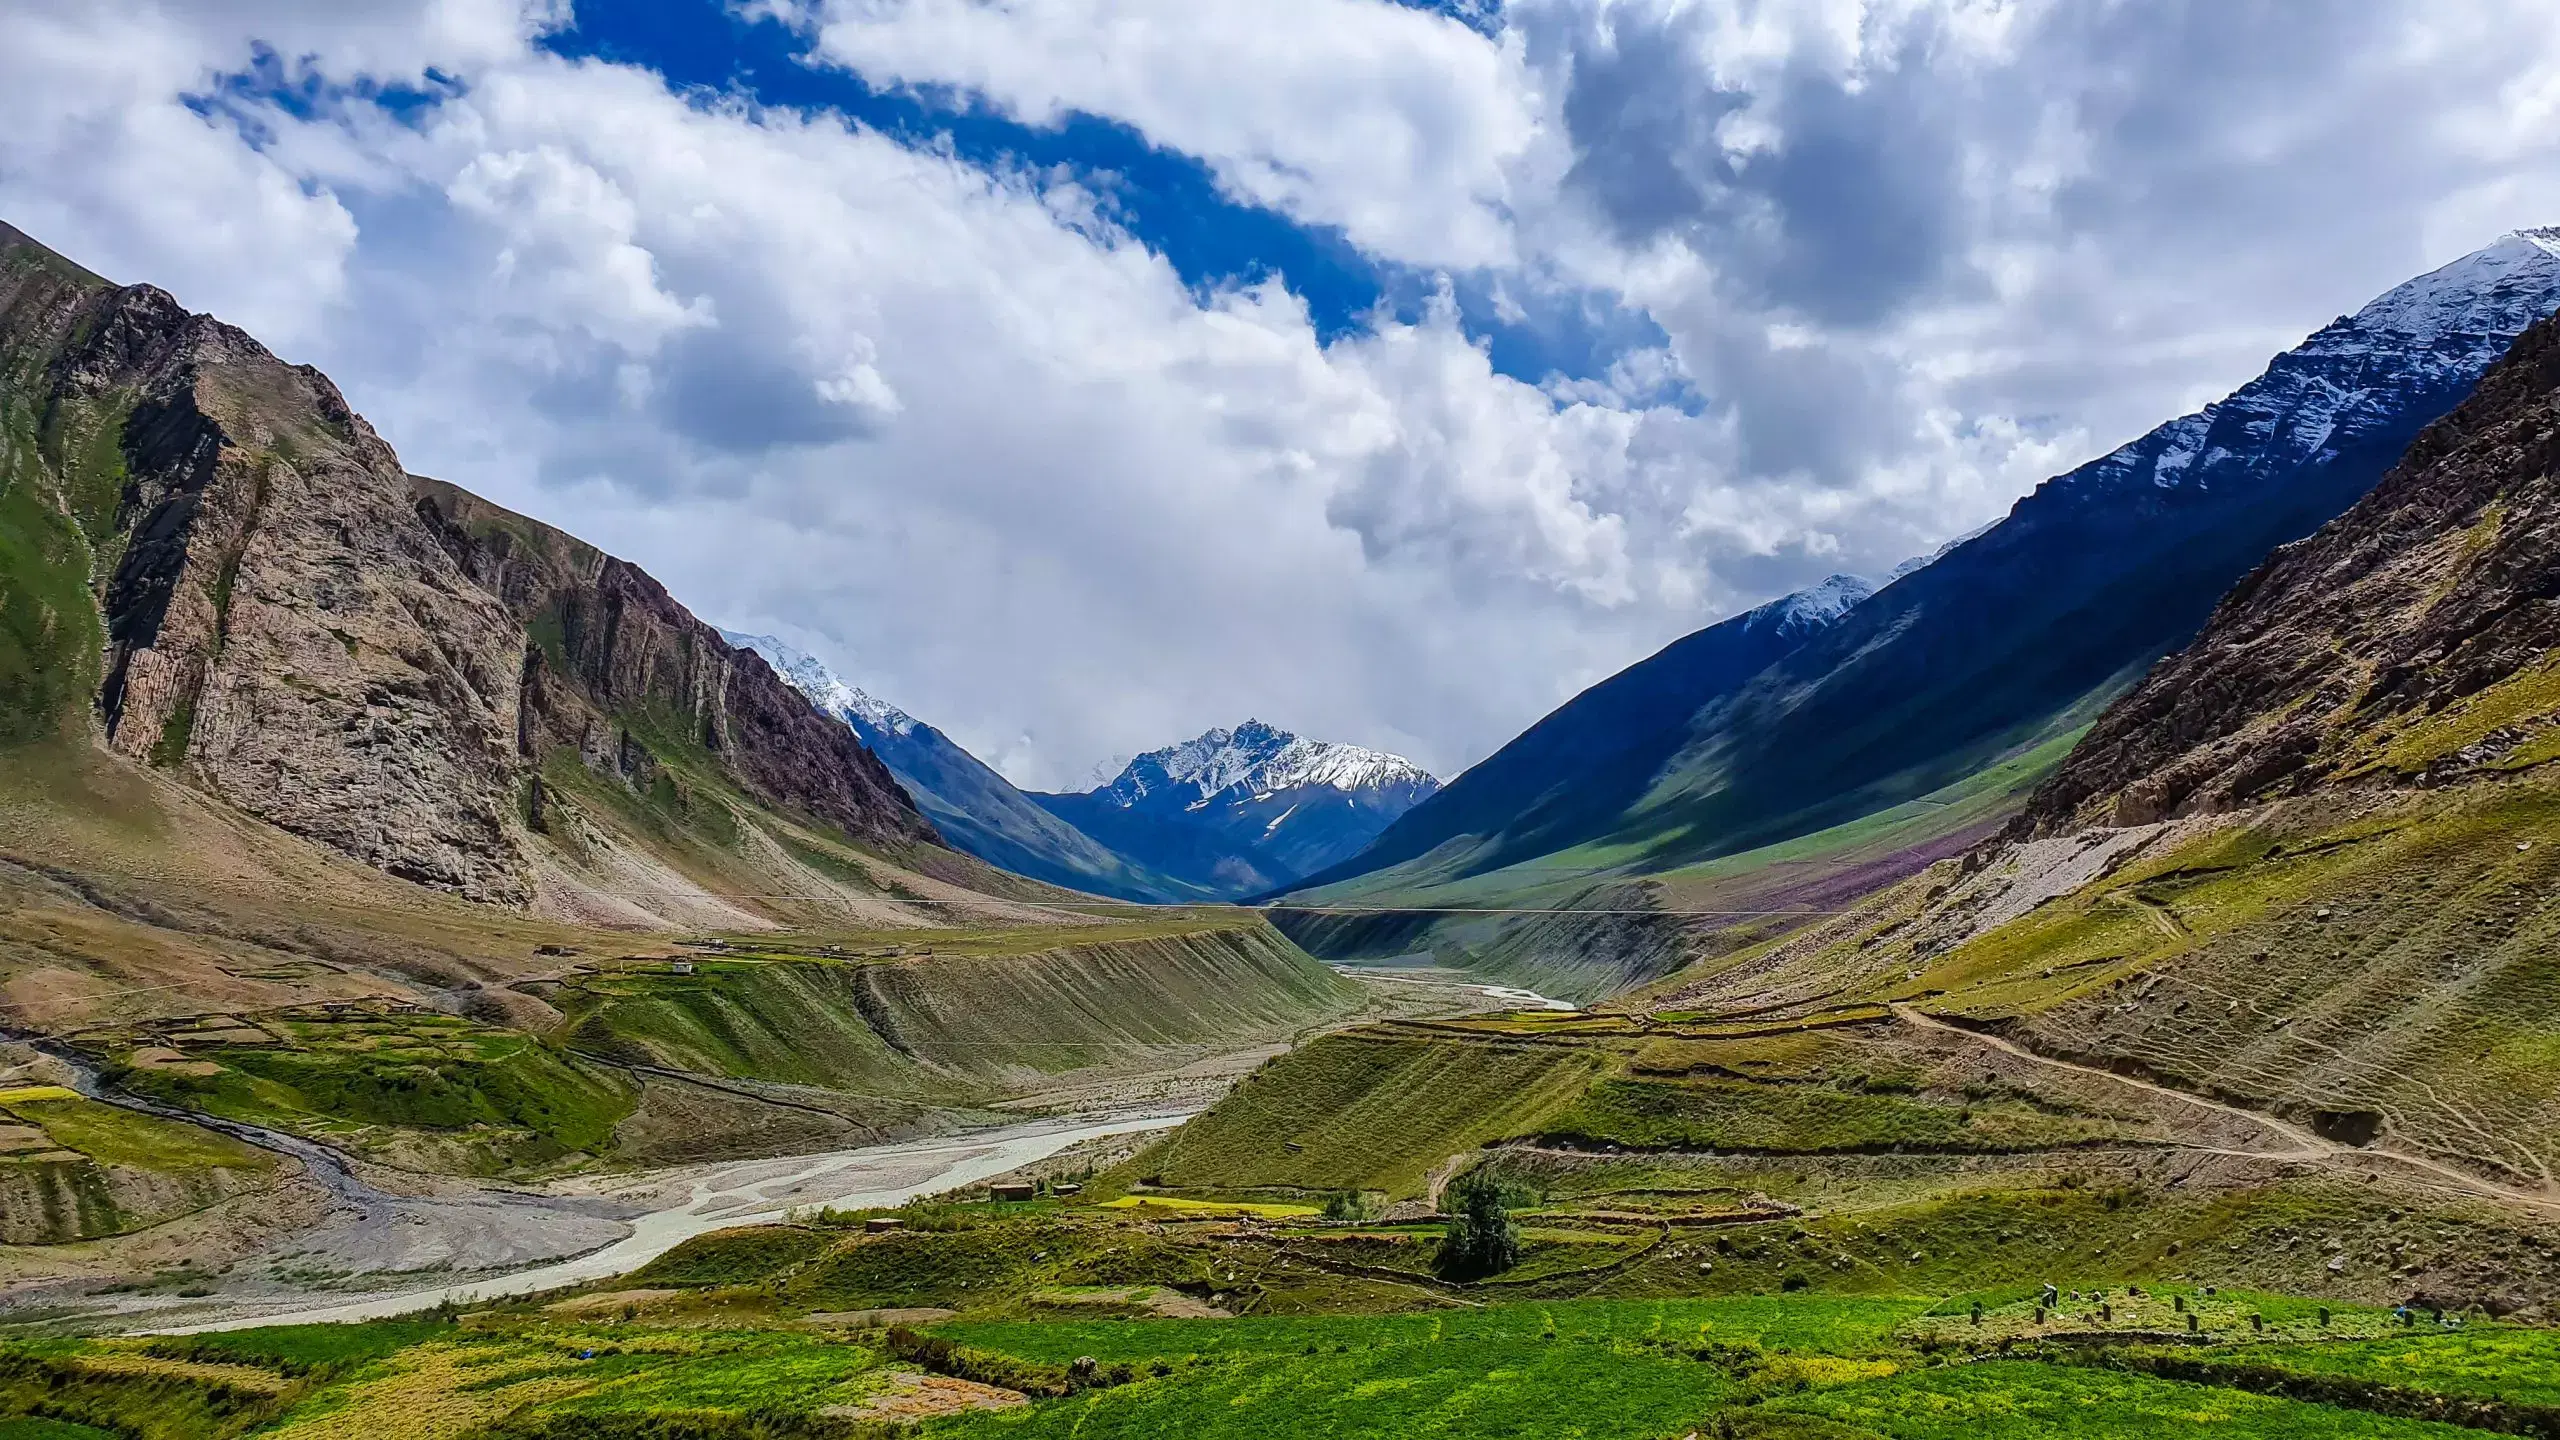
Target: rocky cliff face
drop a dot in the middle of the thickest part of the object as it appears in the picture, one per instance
(613, 662)
(269, 623)
(210, 553)
(2409, 640)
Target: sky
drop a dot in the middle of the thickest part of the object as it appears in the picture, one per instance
(1081, 375)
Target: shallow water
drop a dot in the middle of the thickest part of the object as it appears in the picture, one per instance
(746, 1193)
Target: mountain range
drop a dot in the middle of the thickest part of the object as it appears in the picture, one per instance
(1243, 811)
(2155, 891)
(1810, 714)
(1227, 814)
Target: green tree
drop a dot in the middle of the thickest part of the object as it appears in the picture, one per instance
(1482, 1239)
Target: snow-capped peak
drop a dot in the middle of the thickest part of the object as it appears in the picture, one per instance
(2478, 294)
(1262, 759)
(2422, 342)
(1816, 605)
(1918, 563)
(810, 676)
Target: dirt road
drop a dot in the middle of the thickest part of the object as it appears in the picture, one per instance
(2309, 1146)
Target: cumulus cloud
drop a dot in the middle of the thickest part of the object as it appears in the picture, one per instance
(956, 428)
(1402, 126)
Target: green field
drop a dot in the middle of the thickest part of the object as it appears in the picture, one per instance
(79, 1169)
(735, 1257)
(113, 1135)
(1370, 1110)
(2020, 1401)
(1805, 1119)
(1808, 1366)
(410, 1086)
(1822, 1325)
(30, 1428)
(1476, 1388)
(2506, 1363)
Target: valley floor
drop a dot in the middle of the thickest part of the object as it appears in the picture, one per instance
(336, 1237)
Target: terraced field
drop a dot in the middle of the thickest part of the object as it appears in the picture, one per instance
(1377, 1109)
(75, 1169)
(434, 1091)
(733, 1363)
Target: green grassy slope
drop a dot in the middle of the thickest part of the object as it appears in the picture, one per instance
(1612, 922)
(965, 1015)
(2383, 956)
(76, 1169)
(1370, 1110)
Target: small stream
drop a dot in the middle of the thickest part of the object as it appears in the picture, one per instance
(1526, 999)
(1516, 997)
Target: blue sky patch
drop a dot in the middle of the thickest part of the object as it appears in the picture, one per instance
(1169, 201)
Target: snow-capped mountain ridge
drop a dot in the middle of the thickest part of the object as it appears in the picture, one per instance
(1814, 606)
(1260, 760)
(976, 809)
(1245, 811)
(2352, 376)
(810, 676)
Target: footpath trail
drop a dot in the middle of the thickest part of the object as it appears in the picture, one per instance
(2309, 1146)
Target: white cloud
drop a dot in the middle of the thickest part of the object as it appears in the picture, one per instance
(986, 450)
(1400, 126)
(567, 260)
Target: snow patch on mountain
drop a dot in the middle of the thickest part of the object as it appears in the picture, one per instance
(2438, 331)
(1813, 607)
(1259, 760)
(1918, 563)
(810, 676)
(2481, 293)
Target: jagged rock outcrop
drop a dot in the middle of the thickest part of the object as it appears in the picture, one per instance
(610, 656)
(269, 623)
(2409, 640)
(211, 554)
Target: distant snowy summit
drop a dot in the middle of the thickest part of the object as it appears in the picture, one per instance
(810, 676)
(1250, 809)
(1256, 761)
(1220, 816)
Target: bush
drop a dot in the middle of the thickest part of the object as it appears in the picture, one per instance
(1353, 1206)
(1482, 1239)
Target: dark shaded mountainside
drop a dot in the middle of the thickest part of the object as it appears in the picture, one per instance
(1993, 653)
(2410, 641)
(981, 812)
(1577, 771)
(209, 553)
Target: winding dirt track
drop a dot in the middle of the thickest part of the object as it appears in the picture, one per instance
(2308, 1145)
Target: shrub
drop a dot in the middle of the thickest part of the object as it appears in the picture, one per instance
(1482, 1239)
(1353, 1206)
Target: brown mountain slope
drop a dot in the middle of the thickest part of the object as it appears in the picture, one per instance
(217, 566)
(2408, 641)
